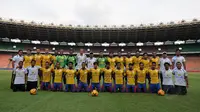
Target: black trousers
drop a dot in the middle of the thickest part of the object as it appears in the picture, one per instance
(31, 85)
(169, 89)
(181, 90)
(18, 87)
(12, 80)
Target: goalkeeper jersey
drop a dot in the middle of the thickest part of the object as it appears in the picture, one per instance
(71, 59)
(102, 62)
(62, 60)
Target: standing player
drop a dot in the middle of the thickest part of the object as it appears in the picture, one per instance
(69, 78)
(154, 78)
(90, 61)
(136, 60)
(111, 60)
(107, 78)
(62, 59)
(131, 79)
(141, 78)
(181, 79)
(178, 58)
(71, 58)
(167, 81)
(120, 59)
(128, 60)
(45, 75)
(58, 73)
(101, 60)
(27, 58)
(19, 78)
(54, 58)
(96, 77)
(32, 80)
(80, 57)
(83, 77)
(145, 61)
(15, 62)
(38, 58)
(155, 59)
(46, 58)
(118, 76)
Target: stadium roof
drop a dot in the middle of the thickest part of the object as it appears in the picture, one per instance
(171, 31)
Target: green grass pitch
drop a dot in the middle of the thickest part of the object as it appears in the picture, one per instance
(105, 102)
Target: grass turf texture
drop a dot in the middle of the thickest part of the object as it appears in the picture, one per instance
(105, 102)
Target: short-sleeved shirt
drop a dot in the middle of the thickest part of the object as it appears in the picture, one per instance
(107, 75)
(141, 74)
(167, 76)
(180, 76)
(20, 76)
(80, 59)
(46, 74)
(90, 62)
(154, 76)
(70, 76)
(33, 73)
(163, 61)
(180, 59)
(83, 75)
(58, 73)
(95, 75)
(17, 59)
(119, 74)
(130, 77)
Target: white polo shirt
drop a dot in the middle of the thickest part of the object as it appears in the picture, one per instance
(163, 61)
(17, 59)
(33, 73)
(180, 59)
(167, 76)
(180, 76)
(20, 76)
(80, 59)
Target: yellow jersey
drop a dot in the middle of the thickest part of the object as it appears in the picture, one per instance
(46, 58)
(119, 76)
(83, 75)
(128, 61)
(112, 62)
(70, 76)
(95, 75)
(58, 73)
(38, 59)
(154, 76)
(146, 63)
(121, 60)
(46, 74)
(107, 75)
(27, 60)
(130, 77)
(136, 61)
(156, 60)
(141, 75)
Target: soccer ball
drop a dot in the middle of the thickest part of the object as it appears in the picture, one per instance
(33, 91)
(94, 93)
(161, 92)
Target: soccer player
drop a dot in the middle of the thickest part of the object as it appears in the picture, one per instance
(71, 58)
(46, 58)
(154, 78)
(167, 81)
(111, 60)
(38, 58)
(120, 59)
(107, 78)
(178, 58)
(69, 78)
(33, 72)
(136, 60)
(155, 59)
(15, 62)
(141, 78)
(83, 77)
(46, 73)
(19, 78)
(145, 61)
(80, 57)
(57, 75)
(54, 58)
(27, 58)
(131, 79)
(101, 60)
(118, 76)
(90, 61)
(95, 74)
(62, 59)
(128, 60)
(181, 79)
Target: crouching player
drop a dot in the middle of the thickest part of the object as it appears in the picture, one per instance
(69, 78)
(181, 79)
(57, 77)
(130, 77)
(95, 74)
(167, 81)
(154, 78)
(83, 76)
(107, 78)
(19, 78)
(118, 76)
(45, 75)
(141, 78)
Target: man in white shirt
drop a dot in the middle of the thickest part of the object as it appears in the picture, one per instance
(167, 81)
(178, 58)
(181, 79)
(15, 61)
(19, 78)
(32, 72)
(90, 61)
(80, 57)
(164, 60)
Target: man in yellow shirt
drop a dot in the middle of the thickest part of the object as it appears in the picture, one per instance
(38, 58)
(111, 60)
(28, 58)
(57, 77)
(136, 59)
(118, 76)
(70, 75)
(155, 59)
(107, 78)
(120, 59)
(46, 58)
(145, 60)
(154, 78)
(128, 60)
(131, 79)
(83, 77)
(141, 78)
(95, 74)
